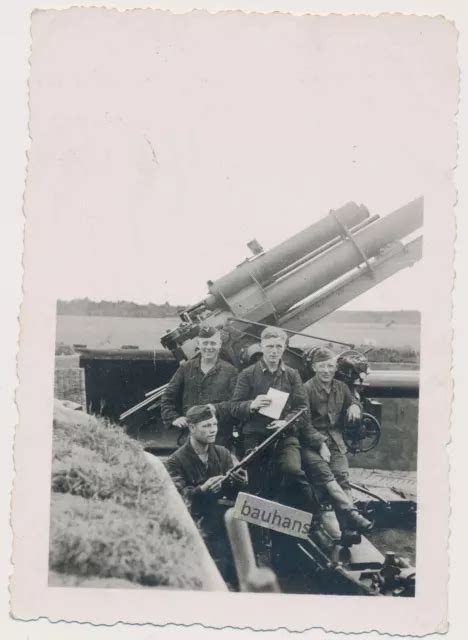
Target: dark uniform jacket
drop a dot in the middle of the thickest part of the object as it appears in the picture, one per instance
(189, 473)
(189, 387)
(328, 410)
(256, 380)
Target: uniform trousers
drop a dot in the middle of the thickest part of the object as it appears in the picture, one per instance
(277, 472)
(319, 472)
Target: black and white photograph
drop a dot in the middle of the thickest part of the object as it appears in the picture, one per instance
(266, 386)
(236, 346)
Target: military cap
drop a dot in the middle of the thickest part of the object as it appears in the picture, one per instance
(207, 332)
(253, 350)
(199, 413)
(320, 354)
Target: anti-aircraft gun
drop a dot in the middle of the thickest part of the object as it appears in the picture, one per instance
(297, 283)
(305, 278)
(294, 285)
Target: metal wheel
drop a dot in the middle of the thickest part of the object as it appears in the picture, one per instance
(364, 435)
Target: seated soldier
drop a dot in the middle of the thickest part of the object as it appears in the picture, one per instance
(250, 395)
(198, 468)
(206, 378)
(324, 459)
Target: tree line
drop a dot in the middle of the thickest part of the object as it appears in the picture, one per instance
(126, 309)
(120, 308)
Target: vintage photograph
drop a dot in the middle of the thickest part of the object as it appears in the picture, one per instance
(268, 385)
(236, 346)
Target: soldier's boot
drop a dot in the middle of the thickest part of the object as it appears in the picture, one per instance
(348, 516)
(321, 534)
(358, 522)
(363, 524)
(330, 523)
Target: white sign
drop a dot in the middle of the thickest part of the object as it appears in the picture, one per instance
(272, 515)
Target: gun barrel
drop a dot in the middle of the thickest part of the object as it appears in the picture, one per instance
(326, 268)
(327, 265)
(278, 258)
(326, 247)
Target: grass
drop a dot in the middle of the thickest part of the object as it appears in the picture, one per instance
(388, 354)
(107, 540)
(112, 514)
(374, 354)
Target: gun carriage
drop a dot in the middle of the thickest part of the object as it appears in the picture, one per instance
(293, 285)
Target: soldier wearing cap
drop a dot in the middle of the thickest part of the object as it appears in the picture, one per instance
(198, 468)
(205, 379)
(324, 458)
(250, 396)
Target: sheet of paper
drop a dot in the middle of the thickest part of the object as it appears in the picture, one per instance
(278, 400)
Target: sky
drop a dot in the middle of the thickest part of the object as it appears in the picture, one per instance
(162, 144)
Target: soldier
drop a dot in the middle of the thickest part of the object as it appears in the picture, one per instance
(324, 458)
(198, 468)
(250, 396)
(204, 379)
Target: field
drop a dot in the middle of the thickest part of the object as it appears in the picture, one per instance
(114, 332)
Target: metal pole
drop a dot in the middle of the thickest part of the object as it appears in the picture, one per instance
(251, 577)
(295, 333)
(350, 286)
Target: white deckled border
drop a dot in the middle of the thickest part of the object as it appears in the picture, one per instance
(31, 598)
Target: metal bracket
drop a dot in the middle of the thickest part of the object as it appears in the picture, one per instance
(223, 298)
(251, 300)
(265, 295)
(344, 232)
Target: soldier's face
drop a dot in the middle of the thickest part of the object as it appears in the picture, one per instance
(325, 370)
(210, 347)
(205, 431)
(273, 349)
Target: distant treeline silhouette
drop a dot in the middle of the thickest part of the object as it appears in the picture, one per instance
(121, 308)
(126, 309)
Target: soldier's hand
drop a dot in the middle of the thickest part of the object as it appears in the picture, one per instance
(180, 422)
(354, 413)
(240, 476)
(213, 485)
(325, 452)
(276, 424)
(260, 402)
